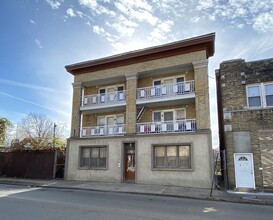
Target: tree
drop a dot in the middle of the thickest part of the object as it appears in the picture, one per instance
(39, 131)
(4, 125)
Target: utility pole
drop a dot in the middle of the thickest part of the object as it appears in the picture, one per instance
(55, 151)
(54, 131)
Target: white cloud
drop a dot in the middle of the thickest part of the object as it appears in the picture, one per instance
(54, 4)
(263, 22)
(32, 22)
(57, 110)
(136, 11)
(38, 43)
(71, 12)
(98, 30)
(160, 32)
(240, 12)
(205, 4)
(96, 7)
(123, 30)
(30, 86)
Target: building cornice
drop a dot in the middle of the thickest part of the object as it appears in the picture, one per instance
(204, 42)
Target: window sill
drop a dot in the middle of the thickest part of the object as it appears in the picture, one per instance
(172, 169)
(259, 108)
(92, 168)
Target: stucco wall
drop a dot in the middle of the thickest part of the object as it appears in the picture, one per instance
(201, 154)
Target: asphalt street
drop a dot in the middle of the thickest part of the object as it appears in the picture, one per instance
(20, 202)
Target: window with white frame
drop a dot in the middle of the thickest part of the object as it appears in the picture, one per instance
(172, 156)
(260, 95)
(93, 157)
(169, 115)
(110, 119)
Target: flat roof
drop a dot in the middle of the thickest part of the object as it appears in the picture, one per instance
(203, 42)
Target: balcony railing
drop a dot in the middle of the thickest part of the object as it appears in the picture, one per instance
(106, 130)
(187, 125)
(111, 98)
(165, 91)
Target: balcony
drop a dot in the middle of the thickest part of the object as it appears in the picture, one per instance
(183, 90)
(179, 126)
(106, 130)
(111, 99)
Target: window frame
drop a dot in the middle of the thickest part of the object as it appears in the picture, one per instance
(169, 110)
(177, 167)
(262, 95)
(104, 117)
(111, 86)
(265, 95)
(174, 78)
(89, 167)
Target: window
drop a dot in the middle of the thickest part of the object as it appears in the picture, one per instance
(93, 157)
(254, 96)
(169, 115)
(260, 95)
(172, 157)
(269, 94)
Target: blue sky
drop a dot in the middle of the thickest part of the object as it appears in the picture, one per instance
(40, 37)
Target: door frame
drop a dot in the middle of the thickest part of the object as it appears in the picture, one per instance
(252, 167)
(123, 154)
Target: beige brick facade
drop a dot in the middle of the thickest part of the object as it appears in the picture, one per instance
(131, 103)
(202, 95)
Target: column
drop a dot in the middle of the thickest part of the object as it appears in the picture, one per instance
(202, 94)
(76, 114)
(131, 110)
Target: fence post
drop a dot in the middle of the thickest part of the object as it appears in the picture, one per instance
(55, 163)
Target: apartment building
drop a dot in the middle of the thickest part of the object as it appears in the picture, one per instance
(245, 110)
(143, 116)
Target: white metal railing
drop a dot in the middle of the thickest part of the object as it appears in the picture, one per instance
(106, 130)
(104, 98)
(168, 90)
(187, 125)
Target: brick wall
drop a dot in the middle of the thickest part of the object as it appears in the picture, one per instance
(266, 144)
(234, 76)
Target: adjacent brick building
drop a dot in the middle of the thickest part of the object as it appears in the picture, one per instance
(245, 111)
(143, 116)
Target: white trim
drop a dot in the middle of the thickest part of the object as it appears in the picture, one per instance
(83, 132)
(120, 130)
(85, 100)
(81, 119)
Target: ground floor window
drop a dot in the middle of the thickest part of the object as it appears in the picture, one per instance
(172, 156)
(93, 157)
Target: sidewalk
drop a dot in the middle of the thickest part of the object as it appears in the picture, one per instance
(184, 192)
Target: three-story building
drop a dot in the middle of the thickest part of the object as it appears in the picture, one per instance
(143, 116)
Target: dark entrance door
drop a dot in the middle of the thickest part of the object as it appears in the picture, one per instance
(129, 162)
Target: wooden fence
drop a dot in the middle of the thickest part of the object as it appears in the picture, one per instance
(40, 164)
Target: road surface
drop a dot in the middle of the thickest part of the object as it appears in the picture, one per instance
(26, 203)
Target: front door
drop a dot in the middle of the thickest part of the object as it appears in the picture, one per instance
(129, 162)
(244, 172)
